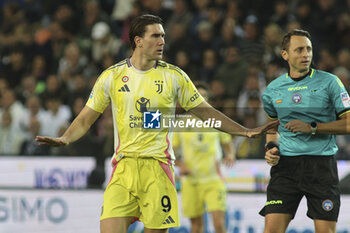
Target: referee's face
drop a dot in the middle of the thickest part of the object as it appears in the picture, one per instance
(153, 42)
(299, 54)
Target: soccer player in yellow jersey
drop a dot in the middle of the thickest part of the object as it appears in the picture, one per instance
(202, 187)
(142, 183)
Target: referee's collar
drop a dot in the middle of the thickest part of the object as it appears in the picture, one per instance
(302, 77)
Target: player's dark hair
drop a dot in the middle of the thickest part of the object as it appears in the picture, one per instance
(138, 26)
(294, 32)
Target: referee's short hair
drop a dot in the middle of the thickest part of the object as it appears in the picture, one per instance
(138, 26)
(294, 32)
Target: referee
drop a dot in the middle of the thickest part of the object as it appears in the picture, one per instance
(312, 107)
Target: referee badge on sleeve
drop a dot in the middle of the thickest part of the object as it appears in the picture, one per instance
(345, 99)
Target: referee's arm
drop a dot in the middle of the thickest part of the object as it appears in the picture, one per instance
(341, 126)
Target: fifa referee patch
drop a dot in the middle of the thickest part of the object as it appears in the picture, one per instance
(345, 99)
(327, 205)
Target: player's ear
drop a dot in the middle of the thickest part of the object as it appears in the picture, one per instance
(138, 41)
(284, 55)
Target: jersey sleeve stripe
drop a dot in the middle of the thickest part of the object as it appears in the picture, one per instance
(118, 64)
(343, 112)
(271, 118)
(171, 68)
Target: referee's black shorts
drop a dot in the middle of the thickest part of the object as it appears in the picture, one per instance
(315, 177)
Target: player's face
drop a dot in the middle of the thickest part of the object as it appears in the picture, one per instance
(299, 54)
(153, 41)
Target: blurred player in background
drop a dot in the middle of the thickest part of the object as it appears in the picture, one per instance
(202, 187)
(142, 184)
(312, 106)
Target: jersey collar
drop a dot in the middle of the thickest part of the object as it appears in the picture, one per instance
(310, 73)
(155, 64)
(128, 61)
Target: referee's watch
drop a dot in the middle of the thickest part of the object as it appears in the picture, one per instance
(313, 127)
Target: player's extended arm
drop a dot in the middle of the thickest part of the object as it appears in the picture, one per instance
(205, 111)
(76, 130)
(341, 126)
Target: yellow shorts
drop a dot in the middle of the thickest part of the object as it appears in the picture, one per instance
(142, 188)
(200, 197)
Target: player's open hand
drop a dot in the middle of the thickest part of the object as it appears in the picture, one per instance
(272, 157)
(49, 141)
(229, 161)
(251, 133)
(298, 126)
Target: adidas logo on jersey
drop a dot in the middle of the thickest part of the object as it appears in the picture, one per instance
(169, 220)
(124, 88)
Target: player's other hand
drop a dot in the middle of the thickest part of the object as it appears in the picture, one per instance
(298, 126)
(49, 141)
(272, 157)
(229, 161)
(251, 133)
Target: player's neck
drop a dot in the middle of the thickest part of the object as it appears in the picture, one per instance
(295, 74)
(141, 63)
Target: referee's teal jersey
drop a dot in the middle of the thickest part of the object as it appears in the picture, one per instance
(319, 97)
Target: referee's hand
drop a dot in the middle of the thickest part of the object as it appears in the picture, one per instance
(272, 157)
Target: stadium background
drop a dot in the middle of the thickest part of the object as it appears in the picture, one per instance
(51, 53)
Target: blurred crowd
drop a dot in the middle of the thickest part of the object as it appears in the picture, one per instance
(51, 53)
